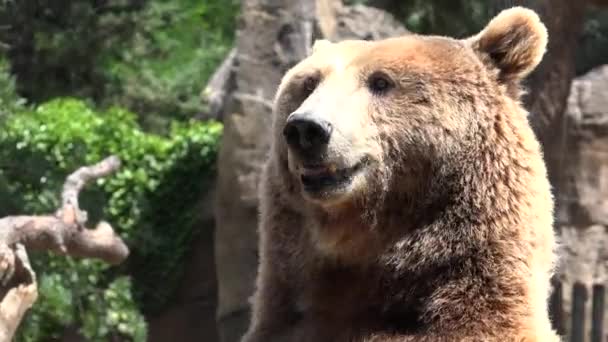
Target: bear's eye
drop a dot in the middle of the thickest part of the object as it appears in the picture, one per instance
(379, 83)
(309, 85)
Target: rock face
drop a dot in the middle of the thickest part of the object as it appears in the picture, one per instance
(272, 36)
(582, 188)
(363, 22)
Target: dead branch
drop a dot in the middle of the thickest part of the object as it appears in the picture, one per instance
(54, 234)
(63, 232)
(18, 298)
(218, 88)
(76, 181)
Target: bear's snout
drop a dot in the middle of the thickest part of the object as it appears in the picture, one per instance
(307, 134)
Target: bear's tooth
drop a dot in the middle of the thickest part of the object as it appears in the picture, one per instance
(332, 168)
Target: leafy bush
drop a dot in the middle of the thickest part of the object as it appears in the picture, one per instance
(456, 18)
(593, 49)
(177, 47)
(152, 202)
(461, 18)
(152, 57)
(55, 46)
(9, 101)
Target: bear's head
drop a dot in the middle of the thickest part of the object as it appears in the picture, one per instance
(357, 121)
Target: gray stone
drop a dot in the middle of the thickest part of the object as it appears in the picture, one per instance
(582, 198)
(583, 178)
(369, 23)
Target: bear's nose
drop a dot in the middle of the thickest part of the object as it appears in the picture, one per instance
(307, 133)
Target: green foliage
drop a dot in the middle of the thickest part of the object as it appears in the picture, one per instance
(461, 18)
(456, 18)
(55, 46)
(593, 49)
(150, 56)
(9, 101)
(72, 295)
(453, 18)
(120, 312)
(177, 47)
(152, 202)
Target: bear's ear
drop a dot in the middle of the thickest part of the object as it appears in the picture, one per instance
(514, 42)
(320, 44)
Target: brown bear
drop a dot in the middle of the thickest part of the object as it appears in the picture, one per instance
(405, 197)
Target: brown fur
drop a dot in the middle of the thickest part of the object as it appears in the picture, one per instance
(448, 235)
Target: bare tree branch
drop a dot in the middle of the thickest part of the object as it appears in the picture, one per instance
(65, 232)
(76, 181)
(53, 234)
(19, 297)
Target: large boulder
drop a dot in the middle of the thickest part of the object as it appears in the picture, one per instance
(339, 22)
(582, 198)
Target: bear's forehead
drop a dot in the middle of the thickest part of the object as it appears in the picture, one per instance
(425, 53)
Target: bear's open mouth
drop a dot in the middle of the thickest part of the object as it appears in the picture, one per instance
(316, 178)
